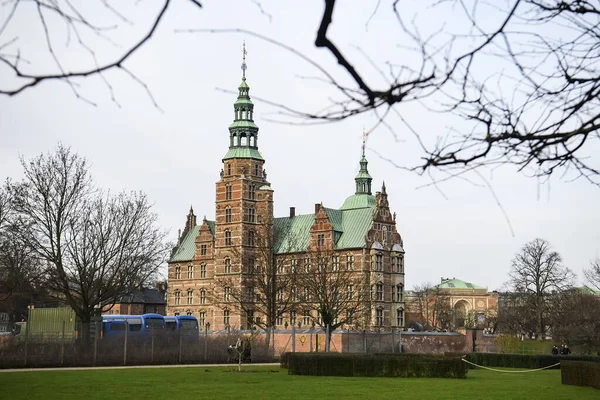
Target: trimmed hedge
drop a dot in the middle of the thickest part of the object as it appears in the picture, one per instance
(360, 364)
(580, 373)
(528, 361)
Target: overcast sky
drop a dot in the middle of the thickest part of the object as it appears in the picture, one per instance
(173, 152)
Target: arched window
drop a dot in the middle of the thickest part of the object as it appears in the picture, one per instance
(202, 319)
(378, 262)
(177, 272)
(202, 270)
(228, 189)
(227, 238)
(250, 238)
(379, 292)
(190, 296)
(202, 296)
(228, 214)
(190, 274)
(226, 318)
(227, 294)
(251, 214)
(177, 297)
(379, 317)
(227, 266)
(400, 317)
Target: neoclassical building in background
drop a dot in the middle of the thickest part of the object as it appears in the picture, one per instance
(361, 235)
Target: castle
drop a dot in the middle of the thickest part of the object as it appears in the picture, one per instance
(213, 267)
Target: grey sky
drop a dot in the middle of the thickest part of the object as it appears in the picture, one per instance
(174, 155)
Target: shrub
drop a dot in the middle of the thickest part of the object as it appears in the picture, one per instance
(580, 373)
(390, 365)
(523, 360)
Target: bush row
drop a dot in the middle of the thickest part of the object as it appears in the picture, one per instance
(360, 364)
(529, 361)
(580, 373)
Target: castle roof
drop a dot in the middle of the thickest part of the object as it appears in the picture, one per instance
(457, 284)
(187, 246)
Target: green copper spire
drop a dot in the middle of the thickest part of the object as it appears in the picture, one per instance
(363, 179)
(243, 132)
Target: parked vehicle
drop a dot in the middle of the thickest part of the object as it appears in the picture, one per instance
(139, 325)
(47, 325)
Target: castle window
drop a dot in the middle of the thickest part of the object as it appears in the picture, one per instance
(293, 317)
(280, 267)
(227, 266)
(400, 317)
(280, 295)
(335, 263)
(280, 320)
(228, 215)
(306, 293)
(399, 292)
(294, 266)
(202, 270)
(202, 296)
(322, 264)
(227, 238)
(227, 294)
(251, 192)
(202, 319)
(256, 169)
(350, 263)
(395, 264)
(379, 317)
(190, 272)
(227, 192)
(202, 249)
(190, 296)
(379, 292)
(250, 238)
(251, 268)
(226, 318)
(306, 317)
(378, 262)
(177, 272)
(320, 240)
(350, 292)
(228, 169)
(307, 264)
(401, 265)
(177, 297)
(251, 214)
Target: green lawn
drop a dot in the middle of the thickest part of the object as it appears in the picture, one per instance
(215, 383)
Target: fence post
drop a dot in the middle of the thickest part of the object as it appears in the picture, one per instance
(393, 340)
(62, 346)
(205, 342)
(125, 343)
(364, 341)
(152, 345)
(310, 340)
(27, 328)
(293, 338)
(96, 334)
(180, 341)
(327, 338)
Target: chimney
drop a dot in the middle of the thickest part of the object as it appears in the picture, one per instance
(317, 207)
(292, 212)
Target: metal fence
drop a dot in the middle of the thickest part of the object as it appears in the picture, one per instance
(55, 349)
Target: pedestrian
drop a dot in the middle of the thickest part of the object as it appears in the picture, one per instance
(554, 350)
(566, 350)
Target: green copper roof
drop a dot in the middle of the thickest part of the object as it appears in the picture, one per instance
(185, 251)
(292, 234)
(358, 201)
(243, 152)
(457, 284)
(241, 123)
(363, 172)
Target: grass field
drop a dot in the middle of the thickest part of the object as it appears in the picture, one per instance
(272, 382)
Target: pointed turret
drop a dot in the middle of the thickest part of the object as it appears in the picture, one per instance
(243, 132)
(363, 179)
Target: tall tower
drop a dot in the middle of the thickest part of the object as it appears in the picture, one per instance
(363, 179)
(244, 207)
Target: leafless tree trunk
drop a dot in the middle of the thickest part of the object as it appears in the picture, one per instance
(432, 305)
(96, 247)
(535, 273)
(338, 295)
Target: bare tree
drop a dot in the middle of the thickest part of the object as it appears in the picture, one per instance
(94, 246)
(536, 272)
(432, 306)
(516, 314)
(592, 274)
(574, 319)
(340, 296)
(263, 292)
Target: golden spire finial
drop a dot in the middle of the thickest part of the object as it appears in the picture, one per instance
(244, 66)
(365, 135)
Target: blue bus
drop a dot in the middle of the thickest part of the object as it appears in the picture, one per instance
(144, 324)
(186, 324)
